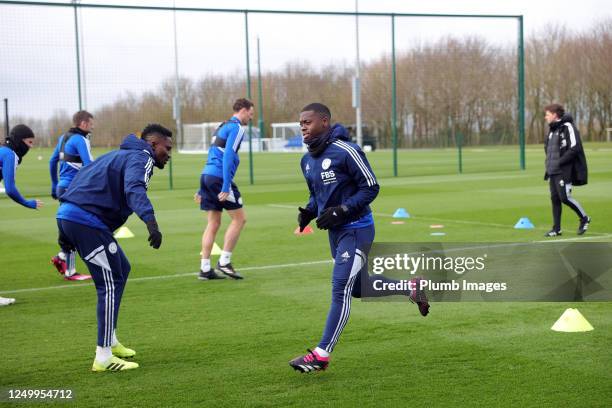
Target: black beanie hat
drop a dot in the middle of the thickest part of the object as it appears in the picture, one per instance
(20, 132)
(15, 140)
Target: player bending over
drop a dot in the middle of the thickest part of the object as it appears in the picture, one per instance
(99, 200)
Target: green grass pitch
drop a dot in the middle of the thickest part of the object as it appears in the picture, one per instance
(228, 343)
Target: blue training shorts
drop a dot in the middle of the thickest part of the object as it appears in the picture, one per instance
(210, 187)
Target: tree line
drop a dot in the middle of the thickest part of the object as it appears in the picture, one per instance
(456, 86)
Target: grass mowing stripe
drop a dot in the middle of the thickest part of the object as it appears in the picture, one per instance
(486, 224)
(178, 275)
(253, 268)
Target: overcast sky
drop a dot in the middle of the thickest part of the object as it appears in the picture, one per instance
(537, 12)
(133, 50)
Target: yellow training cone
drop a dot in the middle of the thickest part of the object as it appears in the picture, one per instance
(123, 232)
(572, 321)
(215, 250)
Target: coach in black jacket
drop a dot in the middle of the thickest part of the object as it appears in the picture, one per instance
(565, 166)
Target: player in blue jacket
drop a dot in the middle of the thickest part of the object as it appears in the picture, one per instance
(342, 185)
(218, 191)
(72, 152)
(99, 200)
(16, 145)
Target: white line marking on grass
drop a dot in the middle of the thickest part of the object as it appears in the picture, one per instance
(178, 275)
(282, 206)
(489, 224)
(289, 265)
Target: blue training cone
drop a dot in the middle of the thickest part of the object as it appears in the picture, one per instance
(401, 213)
(524, 223)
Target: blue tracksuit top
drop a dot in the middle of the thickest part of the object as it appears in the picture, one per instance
(223, 162)
(77, 145)
(110, 189)
(341, 175)
(8, 167)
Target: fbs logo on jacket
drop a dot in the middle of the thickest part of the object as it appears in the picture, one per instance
(328, 177)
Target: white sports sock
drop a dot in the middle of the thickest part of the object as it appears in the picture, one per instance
(103, 354)
(72, 263)
(114, 340)
(205, 265)
(62, 255)
(321, 352)
(225, 258)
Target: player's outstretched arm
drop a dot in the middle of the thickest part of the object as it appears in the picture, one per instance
(136, 180)
(8, 174)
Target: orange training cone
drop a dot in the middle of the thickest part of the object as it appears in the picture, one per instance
(307, 230)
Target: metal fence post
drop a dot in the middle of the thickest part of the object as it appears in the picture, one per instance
(248, 84)
(7, 128)
(260, 122)
(521, 92)
(78, 52)
(393, 97)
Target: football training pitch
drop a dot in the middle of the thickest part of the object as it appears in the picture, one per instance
(228, 343)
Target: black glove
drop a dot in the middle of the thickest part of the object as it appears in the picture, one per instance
(155, 237)
(54, 193)
(333, 217)
(304, 217)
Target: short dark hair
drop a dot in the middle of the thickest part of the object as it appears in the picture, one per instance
(155, 129)
(242, 103)
(81, 116)
(319, 108)
(555, 108)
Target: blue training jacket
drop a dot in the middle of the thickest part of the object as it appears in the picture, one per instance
(8, 167)
(341, 175)
(110, 189)
(77, 145)
(223, 157)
